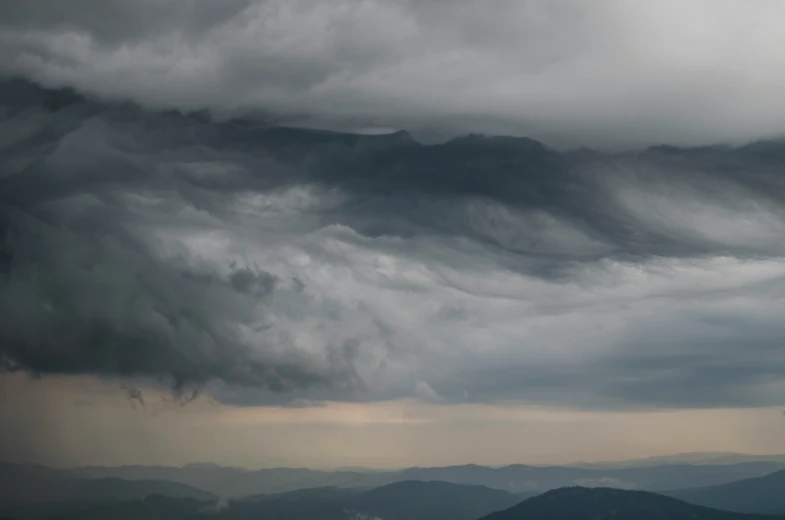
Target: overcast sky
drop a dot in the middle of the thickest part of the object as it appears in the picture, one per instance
(605, 72)
(316, 305)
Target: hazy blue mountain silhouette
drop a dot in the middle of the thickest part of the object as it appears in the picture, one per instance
(153, 507)
(21, 484)
(399, 501)
(234, 482)
(416, 501)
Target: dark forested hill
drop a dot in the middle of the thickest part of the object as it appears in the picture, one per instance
(754, 495)
(579, 503)
(29, 484)
(400, 501)
(413, 500)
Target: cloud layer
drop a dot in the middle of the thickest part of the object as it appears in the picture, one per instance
(604, 73)
(329, 266)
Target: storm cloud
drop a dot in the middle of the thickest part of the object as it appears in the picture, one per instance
(94, 283)
(604, 73)
(243, 257)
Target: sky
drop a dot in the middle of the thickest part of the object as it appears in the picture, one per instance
(608, 73)
(186, 288)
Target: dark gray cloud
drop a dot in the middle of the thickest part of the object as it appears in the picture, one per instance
(87, 287)
(335, 266)
(134, 396)
(569, 72)
(114, 22)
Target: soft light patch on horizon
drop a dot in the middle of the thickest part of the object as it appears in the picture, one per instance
(74, 420)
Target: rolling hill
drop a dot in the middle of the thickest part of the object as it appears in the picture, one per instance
(21, 484)
(516, 478)
(415, 500)
(577, 503)
(399, 501)
(754, 495)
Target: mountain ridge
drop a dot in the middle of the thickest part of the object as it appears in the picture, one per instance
(28, 484)
(514, 478)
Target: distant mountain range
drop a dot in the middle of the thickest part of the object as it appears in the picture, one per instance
(698, 458)
(400, 501)
(233, 482)
(22, 484)
(406, 501)
(29, 492)
(578, 503)
(753, 487)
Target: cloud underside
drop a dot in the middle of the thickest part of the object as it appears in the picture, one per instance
(284, 266)
(605, 73)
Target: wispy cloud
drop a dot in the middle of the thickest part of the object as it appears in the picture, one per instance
(332, 267)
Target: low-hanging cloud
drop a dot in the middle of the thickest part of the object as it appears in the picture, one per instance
(334, 266)
(603, 73)
(605, 482)
(96, 278)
